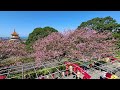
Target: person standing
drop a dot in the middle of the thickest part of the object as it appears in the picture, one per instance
(70, 69)
(66, 73)
(47, 77)
(103, 76)
(53, 75)
(63, 74)
(78, 75)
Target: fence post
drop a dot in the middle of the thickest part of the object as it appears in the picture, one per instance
(22, 72)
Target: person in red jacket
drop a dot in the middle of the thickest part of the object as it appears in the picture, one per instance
(53, 75)
(108, 75)
(66, 73)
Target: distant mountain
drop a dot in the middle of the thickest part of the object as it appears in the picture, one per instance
(24, 38)
(7, 38)
(4, 38)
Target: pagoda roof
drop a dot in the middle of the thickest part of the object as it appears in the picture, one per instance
(14, 33)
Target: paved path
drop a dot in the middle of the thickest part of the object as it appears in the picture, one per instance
(70, 77)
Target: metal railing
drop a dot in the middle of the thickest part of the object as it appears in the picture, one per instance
(21, 69)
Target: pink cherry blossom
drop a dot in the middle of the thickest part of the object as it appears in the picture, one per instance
(81, 44)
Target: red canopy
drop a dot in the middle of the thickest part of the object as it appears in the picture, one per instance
(77, 67)
(2, 76)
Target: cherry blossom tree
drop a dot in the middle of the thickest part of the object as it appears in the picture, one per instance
(78, 44)
(12, 48)
(92, 44)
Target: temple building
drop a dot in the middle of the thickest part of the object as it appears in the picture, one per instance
(15, 36)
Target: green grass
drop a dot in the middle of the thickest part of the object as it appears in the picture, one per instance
(117, 55)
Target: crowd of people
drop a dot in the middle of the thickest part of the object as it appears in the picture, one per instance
(63, 74)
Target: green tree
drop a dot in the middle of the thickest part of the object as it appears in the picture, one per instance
(38, 33)
(116, 35)
(101, 24)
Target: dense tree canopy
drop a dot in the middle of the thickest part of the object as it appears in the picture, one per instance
(116, 35)
(39, 33)
(12, 48)
(101, 24)
(79, 44)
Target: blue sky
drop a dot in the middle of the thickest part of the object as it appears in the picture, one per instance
(25, 21)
